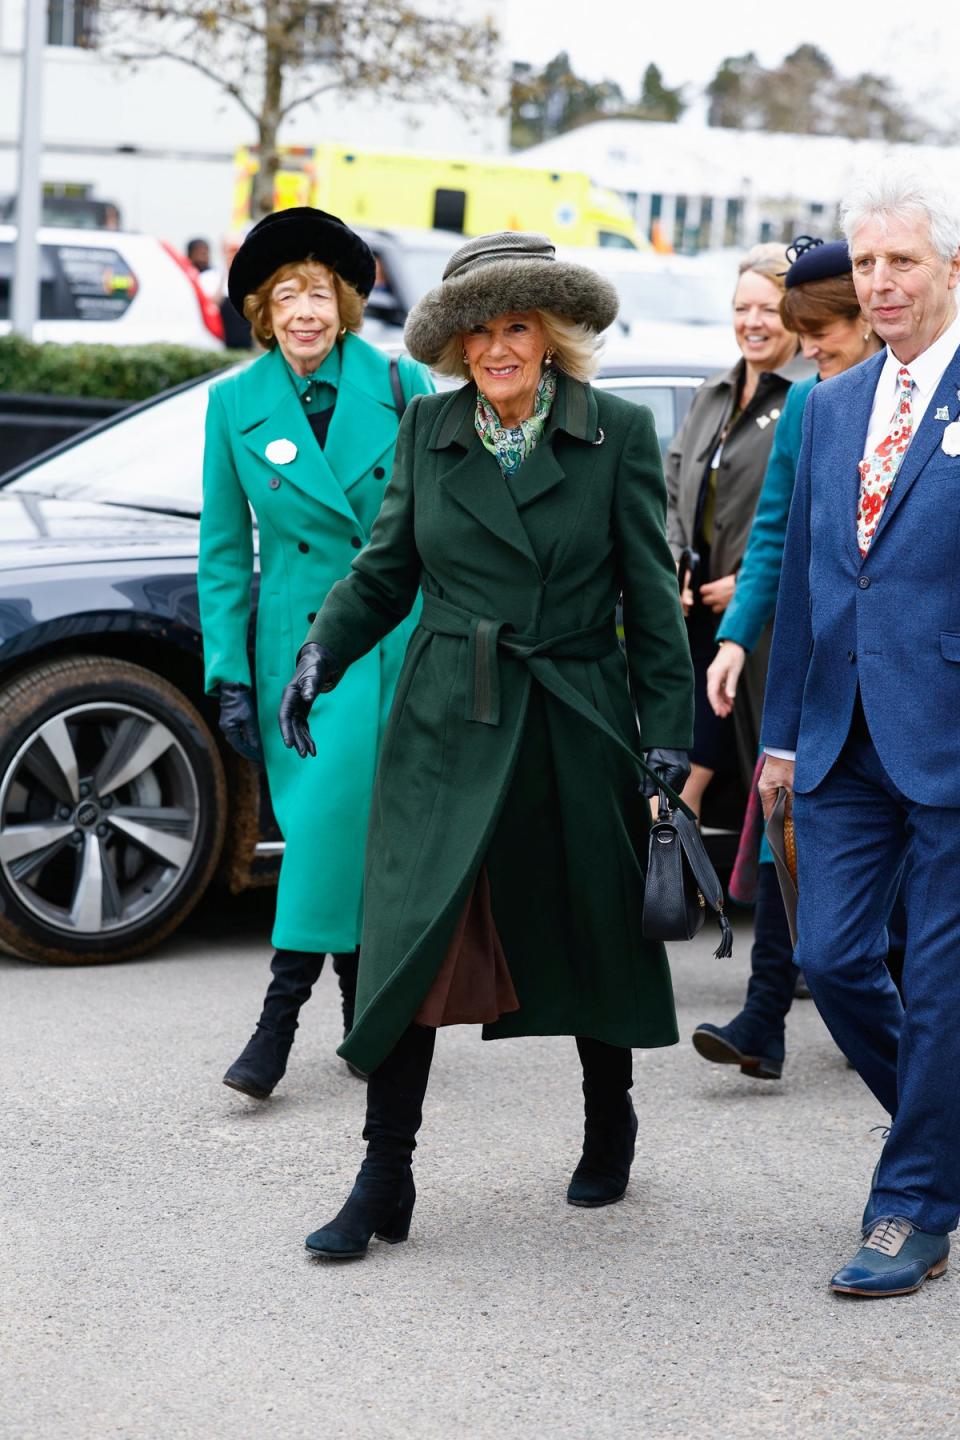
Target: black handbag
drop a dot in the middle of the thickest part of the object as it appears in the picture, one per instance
(681, 883)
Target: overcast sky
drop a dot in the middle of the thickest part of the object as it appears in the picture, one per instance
(617, 39)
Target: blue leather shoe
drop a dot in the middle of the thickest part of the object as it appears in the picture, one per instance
(895, 1259)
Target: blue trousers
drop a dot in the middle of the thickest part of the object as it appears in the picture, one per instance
(853, 832)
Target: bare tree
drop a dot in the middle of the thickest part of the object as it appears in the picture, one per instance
(273, 56)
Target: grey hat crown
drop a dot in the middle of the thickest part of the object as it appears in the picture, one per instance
(504, 245)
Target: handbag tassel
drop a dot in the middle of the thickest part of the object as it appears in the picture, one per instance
(725, 949)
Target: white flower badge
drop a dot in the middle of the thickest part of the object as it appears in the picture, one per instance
(951, 439)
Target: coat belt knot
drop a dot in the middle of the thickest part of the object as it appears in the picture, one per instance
(486, 637)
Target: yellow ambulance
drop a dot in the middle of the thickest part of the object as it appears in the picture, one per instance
(430, 192)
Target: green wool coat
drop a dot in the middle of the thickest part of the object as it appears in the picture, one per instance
(313, 514)
(502, 743)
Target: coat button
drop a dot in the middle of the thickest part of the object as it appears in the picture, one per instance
(864, 582)
(303, 547)
(379, 473)
(311, 617)
(274, 483)
(852, 656)
(356, 542)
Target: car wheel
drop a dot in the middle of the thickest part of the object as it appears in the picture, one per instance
(112, 810)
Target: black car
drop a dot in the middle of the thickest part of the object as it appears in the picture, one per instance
(119, 803)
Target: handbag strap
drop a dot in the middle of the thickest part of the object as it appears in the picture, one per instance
(396, 386)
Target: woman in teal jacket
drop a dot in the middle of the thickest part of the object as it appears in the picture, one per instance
(821, 306)
(303, 440)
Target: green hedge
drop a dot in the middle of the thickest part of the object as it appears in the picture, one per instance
(106, 372)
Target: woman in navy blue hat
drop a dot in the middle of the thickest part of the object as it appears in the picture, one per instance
(303, 439)
(820, 306)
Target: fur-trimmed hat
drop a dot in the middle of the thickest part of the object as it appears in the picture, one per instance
(496, 274)
(288, 236)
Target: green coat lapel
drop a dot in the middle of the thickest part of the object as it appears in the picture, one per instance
(361, 432)
(574, 413)
(471, 475)
(269, 409)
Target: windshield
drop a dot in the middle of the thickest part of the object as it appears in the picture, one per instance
(153, 459)
(688, 299)
(411, 270)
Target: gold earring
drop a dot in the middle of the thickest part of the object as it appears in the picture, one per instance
(548, 356)
(343, 330)
(867, 334)
(465, 360)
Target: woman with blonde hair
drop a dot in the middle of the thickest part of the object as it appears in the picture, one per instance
(303, 440)
(504, 882)
(714, 471)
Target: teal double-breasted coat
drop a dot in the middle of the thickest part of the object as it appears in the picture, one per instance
(502, 747)
(314, 513)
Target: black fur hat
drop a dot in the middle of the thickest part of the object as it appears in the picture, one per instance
(508, 271)
(287, 236)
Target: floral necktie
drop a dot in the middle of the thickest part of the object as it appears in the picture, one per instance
(879, 470)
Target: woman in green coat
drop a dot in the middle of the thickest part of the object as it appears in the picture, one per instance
(304, 440)
(504, 882)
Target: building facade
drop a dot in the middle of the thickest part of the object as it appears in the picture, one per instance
(158, 141)
(701, 187)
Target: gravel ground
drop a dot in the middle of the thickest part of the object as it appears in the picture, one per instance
(154, 1286)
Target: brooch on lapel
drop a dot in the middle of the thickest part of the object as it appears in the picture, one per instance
(951, 439)
(764, 420)
(943, 413)
(281, 452)
(600, 437)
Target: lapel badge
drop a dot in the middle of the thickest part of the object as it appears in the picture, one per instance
(600, 437)
(281, 452)
(951, 439)
(943, 413)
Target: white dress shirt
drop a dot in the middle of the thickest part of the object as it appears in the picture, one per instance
(926, 372)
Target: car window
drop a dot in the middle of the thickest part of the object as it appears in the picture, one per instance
(77, 282)
(674, 297)
(152, 458)
(48, 282)
(661, 400)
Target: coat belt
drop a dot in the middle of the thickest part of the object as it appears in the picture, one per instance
(486, 637)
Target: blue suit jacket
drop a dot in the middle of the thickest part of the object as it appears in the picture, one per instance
(890, 622)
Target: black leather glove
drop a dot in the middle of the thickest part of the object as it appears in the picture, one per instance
(317, 671)
(238, 722)
(673, 766)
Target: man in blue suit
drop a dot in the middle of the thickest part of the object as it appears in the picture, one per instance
(862, 718)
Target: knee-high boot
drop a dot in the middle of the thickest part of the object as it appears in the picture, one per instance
(610, 1125)
(346, 967)
(263, 1061)
(381, 1201)
(754, 1039)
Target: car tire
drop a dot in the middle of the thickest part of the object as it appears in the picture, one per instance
(113, 808)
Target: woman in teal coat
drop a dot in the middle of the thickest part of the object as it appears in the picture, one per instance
(820, 305)
(508, 830)
(303, 439)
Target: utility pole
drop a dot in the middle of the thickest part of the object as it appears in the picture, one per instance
(26, 256)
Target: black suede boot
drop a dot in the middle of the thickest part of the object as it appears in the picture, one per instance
(610, 1125)
(382, 1198)
(263, 1061)
(345, 967)
(754, 1039)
